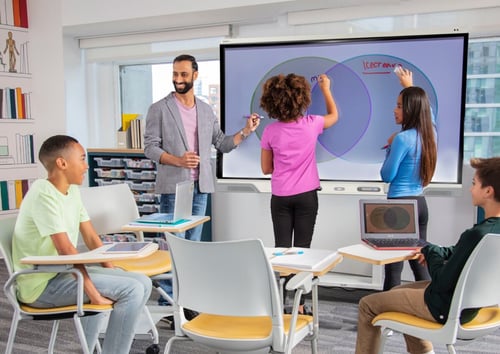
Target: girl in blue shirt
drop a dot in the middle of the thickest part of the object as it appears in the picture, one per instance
(409, 166)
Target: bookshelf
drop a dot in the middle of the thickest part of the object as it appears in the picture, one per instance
(18, 168)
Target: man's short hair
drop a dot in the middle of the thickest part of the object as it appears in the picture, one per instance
(187, 57)
(53, 148)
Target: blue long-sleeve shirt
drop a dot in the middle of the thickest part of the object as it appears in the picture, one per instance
(401, 167)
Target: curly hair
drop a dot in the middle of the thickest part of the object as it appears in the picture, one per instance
(286, 98)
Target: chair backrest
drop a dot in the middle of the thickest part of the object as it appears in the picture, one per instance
(231, 278)
(110, 207)
(478, 284)
(6, 232)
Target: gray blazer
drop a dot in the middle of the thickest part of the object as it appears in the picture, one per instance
(165, 132)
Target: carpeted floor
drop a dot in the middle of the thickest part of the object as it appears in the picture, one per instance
(338, 318)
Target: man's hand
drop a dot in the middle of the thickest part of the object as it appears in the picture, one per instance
(190, 159)
(252, 123)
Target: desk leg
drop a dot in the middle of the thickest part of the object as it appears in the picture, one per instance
(377, 277)
(315, 306)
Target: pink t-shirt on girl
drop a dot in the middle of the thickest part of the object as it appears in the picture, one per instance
(294, 154)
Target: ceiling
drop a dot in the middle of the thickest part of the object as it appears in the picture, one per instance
(294, 11)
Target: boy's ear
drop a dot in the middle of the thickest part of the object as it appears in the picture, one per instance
(490, 192)
(61, 163)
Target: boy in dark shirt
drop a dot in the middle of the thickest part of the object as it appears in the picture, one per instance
(431, 300)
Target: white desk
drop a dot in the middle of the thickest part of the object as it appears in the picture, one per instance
(97, 255)
(367, 254)
(316, 261)
(193, 221)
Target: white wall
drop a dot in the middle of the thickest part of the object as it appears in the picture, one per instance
(46, 62)
(240, 214)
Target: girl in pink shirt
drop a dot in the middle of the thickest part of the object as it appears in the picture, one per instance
(288, 154)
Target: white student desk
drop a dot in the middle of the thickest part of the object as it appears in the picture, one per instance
(316, 261)
(367, 254)
(97, 255)
(193, 221)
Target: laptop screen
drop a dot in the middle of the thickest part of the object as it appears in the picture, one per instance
(389, 218)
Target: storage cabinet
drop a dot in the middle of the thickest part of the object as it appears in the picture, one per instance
(130, 166)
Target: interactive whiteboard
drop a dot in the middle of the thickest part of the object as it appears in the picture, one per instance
(365, 88)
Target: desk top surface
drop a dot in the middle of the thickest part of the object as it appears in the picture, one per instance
(193, 221)
(364, 253)
(97, 255)
(293, 260)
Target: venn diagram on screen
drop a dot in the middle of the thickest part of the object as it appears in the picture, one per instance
(365, 89)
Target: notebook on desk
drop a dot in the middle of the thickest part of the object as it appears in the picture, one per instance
(390, 224)
(182, 208)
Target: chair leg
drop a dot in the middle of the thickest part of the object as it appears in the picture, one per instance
(81, 334)
(98, 348)
(451, 349)
(170, 342)
(154, 330)
(53, 336)
(386, 332)
(12, 333)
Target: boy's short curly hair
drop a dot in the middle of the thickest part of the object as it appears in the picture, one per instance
(286, 98)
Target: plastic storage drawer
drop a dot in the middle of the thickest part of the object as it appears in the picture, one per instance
(141, 175)
(112, 162)
(107, 173)
(139, 163)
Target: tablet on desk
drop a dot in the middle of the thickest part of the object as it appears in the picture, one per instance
(127, 247)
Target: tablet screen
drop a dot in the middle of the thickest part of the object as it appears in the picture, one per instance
(127, 247)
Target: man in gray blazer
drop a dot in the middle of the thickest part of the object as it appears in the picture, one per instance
(180, 131)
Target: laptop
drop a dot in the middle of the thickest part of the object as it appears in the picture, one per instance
(390, 224)
(183, 207)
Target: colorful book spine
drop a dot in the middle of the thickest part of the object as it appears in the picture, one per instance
(19, 103)
(23, 13)
(4, 193)
(12, 192)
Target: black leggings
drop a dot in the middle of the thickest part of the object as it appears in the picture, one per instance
(420, 272)
(294, 218)
(293, 221)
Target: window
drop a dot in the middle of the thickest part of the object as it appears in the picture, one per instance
(143, 84)
(482, 108)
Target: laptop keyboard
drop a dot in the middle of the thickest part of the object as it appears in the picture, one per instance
(395, 242)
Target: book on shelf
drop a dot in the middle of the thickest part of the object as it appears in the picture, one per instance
(12, 193)
(14, 103)
(25, 153)
(14, 13)
(137, 127)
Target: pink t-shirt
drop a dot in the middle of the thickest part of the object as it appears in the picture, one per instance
(190, 123)
(294, 154)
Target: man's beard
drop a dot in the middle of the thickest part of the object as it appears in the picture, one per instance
(187, 86)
